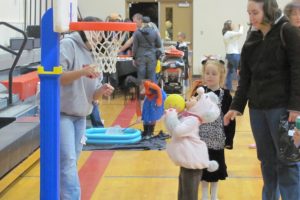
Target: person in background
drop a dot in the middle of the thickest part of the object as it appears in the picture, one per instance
(150, 106)
(79, 88)
(114, 17)
(183, 46)
(127, 51)
(169, 30)
(292, 11)
(269, 83)
(145, 42)
(138, 19)
(95, 116)
(231, 38)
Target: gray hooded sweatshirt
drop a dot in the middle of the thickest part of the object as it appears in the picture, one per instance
(76, 98)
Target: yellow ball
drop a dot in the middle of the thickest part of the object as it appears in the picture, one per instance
(175, 101)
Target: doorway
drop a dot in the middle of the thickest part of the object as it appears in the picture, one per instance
(174, 19)
(146, 9)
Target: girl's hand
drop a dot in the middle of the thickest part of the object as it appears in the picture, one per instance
(191, 102)
(230, 115)
(90, 71)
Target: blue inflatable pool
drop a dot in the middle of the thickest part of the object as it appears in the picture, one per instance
(99, 136)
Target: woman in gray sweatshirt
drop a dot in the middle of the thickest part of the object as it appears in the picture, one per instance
(80, 86)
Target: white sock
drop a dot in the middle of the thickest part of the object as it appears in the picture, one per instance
(214, 190)
(204, 186)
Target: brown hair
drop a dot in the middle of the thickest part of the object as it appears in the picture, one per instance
(290, 7)
(227, 26)
(270, 9)
(88, 19)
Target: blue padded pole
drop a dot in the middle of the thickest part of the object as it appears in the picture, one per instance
(49, 73)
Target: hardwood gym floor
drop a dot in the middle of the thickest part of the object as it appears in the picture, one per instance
(142, 175)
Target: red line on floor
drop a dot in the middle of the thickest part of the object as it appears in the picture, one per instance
(91, 172)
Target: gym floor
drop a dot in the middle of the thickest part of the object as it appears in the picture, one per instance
(141, 175)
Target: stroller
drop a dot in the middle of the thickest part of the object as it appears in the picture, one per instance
(172, 72)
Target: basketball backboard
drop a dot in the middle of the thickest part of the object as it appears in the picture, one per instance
(64, 12)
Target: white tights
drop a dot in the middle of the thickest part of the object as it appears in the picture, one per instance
(213, 190)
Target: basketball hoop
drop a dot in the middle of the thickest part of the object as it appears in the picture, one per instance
(105, 38)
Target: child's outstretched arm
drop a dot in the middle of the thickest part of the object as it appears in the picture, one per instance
(171, 119)
(157, 91)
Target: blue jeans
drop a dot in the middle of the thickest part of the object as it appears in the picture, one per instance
(72, 130)
(279, 178)
(232, 65)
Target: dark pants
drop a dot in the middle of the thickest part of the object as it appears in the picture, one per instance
(279, 178)
(95, 116)
(146, 68)
(189, 180)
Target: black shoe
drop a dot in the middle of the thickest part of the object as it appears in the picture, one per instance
(163, 135)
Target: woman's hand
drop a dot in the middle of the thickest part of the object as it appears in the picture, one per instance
(293, 115)
(106, 89)
(91, 71)
(296, 138)
(230, 115)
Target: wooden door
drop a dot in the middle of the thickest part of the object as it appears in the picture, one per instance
(181, 19)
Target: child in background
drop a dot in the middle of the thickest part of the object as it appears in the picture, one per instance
(182, 46)
(150, 106)
(215, 134)
(95, 117)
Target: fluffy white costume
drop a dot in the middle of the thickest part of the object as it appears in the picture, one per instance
(186, 149)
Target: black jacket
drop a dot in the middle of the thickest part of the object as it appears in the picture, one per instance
(270, 72)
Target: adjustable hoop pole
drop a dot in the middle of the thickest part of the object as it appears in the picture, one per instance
(49, 74)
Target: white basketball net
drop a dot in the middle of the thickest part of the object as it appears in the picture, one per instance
(105, 48)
